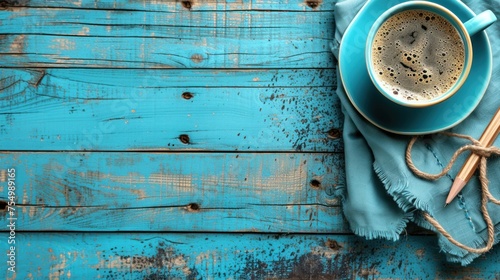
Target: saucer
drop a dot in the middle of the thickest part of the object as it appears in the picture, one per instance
(399, 119)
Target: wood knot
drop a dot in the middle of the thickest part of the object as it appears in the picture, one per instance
(333, 244)
(313, 4)
(186, 4)
(333, 133)
(315, 184)
(193, 207)
(187, 95)
(184, 138)
(197, 58)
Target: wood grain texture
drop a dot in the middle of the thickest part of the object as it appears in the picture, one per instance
(172, 139)
(178, 5)
(213, 192)
(235, 256)
(258, 110)
(47, 37)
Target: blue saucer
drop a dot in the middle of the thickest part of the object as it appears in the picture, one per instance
(395, 118)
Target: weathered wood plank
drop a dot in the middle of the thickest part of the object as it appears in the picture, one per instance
(179, 5)
(78, 109)
(233, 256)
(265, 192)
(100, 79)
(39, 37)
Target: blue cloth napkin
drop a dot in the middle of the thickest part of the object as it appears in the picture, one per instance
(382, 194)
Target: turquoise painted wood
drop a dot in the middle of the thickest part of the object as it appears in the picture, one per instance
(149, 39)
(195, 139)
(278, 110)
(235, 256)
(214, 192)
(180, 6)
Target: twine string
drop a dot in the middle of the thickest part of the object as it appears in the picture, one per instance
(484, 153)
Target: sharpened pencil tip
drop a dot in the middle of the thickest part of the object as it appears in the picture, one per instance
(446, 204)
(457, 186)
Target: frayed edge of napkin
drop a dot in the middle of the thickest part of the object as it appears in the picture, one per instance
(457, 255)
(398, 190)
(452, 252)
(369, 233)
(409, 204)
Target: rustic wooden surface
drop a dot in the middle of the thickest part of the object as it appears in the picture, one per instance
(162, 139)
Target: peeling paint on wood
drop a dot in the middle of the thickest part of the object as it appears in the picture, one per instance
(235, 256)
(194, 139)
(209, 39)
(178, 6)
(105, 191)
(48, 109)
(18, 45)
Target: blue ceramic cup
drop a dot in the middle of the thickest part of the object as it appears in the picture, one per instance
(388, 78)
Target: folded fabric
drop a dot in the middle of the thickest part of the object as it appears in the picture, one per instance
(382, 194)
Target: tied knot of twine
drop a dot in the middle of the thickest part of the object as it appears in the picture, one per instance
(484, 153)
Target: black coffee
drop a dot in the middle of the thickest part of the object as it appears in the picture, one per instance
(418, 55)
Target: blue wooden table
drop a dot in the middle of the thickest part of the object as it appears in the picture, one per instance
(162, 139)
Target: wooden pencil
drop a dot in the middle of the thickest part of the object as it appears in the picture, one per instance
(487, 138)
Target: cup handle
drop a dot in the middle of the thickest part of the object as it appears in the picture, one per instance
(480, 22)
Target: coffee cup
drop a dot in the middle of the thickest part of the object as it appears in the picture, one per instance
(419, 53)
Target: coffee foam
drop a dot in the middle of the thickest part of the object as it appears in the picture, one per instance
(417, 55)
